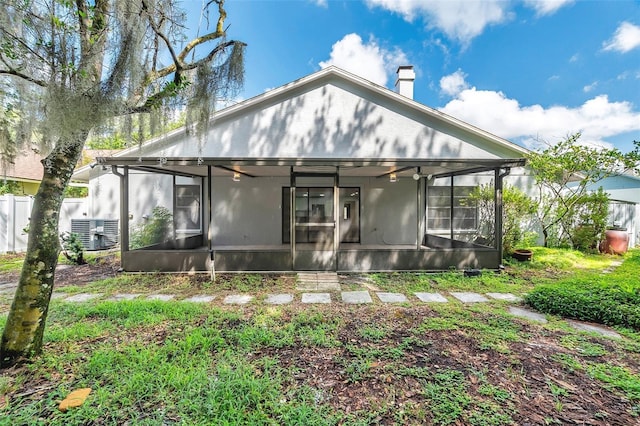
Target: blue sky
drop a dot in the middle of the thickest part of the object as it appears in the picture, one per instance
(529, 70)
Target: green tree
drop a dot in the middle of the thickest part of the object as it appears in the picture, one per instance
(518, 209)
(563, 173)
(70, 66)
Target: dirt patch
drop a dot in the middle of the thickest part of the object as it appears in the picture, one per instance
(100, 268)
(525, 383)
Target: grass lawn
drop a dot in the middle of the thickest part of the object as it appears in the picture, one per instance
(155, 363)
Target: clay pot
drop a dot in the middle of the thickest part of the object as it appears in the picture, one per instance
(522, 255)
(616, 241)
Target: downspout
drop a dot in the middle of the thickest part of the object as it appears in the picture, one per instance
(124, 208)
(499, 209)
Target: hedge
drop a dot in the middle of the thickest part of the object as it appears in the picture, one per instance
(605, 299)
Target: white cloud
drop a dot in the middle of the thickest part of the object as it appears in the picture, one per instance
(321, 3)
(461, 20)
(625, 39)
(368, 60)
(547, 7)
(597, 119)
(589, 87)
(453, 84)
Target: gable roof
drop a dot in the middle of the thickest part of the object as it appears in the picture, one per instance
(345, 81)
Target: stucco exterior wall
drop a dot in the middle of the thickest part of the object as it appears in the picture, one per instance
(104, 195)
(248, 212)
(332, 121)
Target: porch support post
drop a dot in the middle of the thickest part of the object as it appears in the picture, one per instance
(499, 209)
(420, 210)
(124, 207)
(210, 213)
(336, 217)
(292, 218)
(451, 215)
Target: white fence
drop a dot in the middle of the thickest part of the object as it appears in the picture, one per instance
(15, 212)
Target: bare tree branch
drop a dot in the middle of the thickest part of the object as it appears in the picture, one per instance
(23, 76)
(160, 34)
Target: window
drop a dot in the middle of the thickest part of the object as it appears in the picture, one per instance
(465, 211)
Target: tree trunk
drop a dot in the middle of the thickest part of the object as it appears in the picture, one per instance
(23, 332)
(545, 237)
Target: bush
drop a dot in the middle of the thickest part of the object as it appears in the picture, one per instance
(157, 229)
(612, 299)
(72, 248)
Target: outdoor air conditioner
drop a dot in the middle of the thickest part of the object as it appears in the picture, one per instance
(96, 234)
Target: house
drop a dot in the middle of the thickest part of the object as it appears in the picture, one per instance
(24, 174)
(624, 203)
(329, 172)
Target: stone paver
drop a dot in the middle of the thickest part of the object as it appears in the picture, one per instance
(505, 296)
(318, 281)
(391, 297)
(82, 297)
(237, 299)
(279, 299)
(8, 288)
(356, 297)
(316, 298)
(583, 326)
(525, 313)
(124, 296)
(161, 297)
(431, 297)
(469, 297)
(199, 299)
(58, 295)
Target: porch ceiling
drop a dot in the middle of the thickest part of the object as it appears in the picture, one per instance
(273, 167)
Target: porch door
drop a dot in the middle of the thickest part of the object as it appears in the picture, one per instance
(313, 220)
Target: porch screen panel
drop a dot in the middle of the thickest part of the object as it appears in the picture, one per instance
(462, 208)
(151, 209)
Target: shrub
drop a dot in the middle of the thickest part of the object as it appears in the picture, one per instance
(605, 301)
(72, 247)
(157, 228)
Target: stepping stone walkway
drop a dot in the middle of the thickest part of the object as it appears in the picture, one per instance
(318, 281)
(349, 297)
(161, 297)
(279, 299)
(591, 328)
(530, 315)
(57, 295)
(199, 299)
(431, 297)
(356, 297)
(505, 296)
(467, 297)
(82, 297)
(316, 298)
(237, 299)
(124, 296)
(391, 297)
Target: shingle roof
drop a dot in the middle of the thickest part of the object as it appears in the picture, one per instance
(26, 166)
